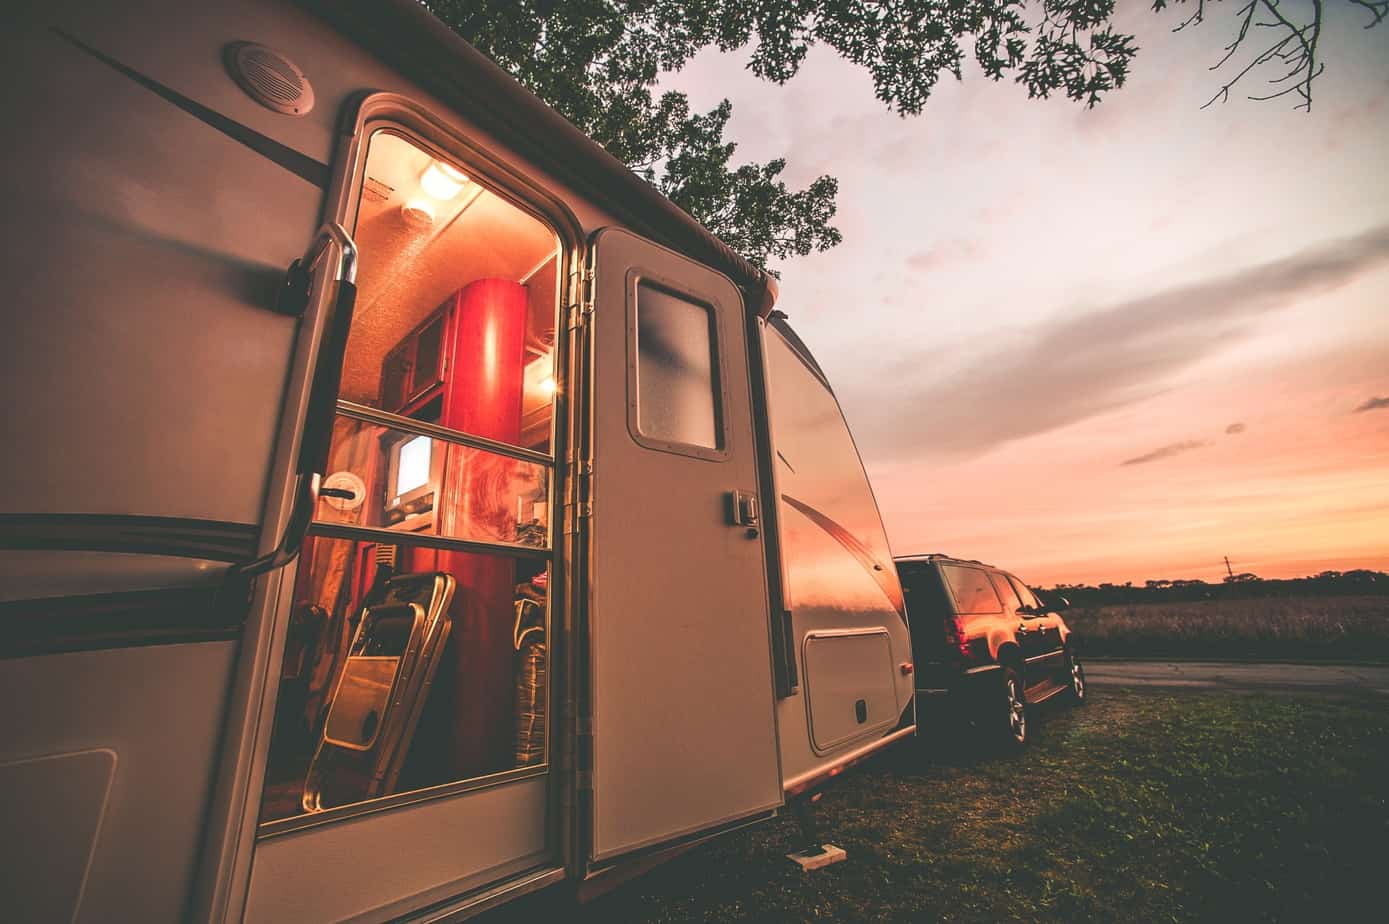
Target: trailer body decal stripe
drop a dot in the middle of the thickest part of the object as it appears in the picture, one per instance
(885, 579)
(301, 165)
(211, 540)
(168, 616)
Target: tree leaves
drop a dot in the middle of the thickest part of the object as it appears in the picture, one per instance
(597, 62)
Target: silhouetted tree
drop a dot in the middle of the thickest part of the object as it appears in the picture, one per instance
(597, 62)
(1243, 586)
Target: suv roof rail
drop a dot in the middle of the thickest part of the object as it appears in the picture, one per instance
(941, 556)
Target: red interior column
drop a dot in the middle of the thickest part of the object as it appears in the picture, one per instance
(482, 395)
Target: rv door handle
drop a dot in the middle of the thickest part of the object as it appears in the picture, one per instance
(327, 375)
(743, 510)
(329, 348)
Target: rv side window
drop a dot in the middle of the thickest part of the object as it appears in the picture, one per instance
(415, 661)
(971, 589)
(677, 388)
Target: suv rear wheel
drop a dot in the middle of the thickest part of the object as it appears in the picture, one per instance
(1077, 689)
(1013, 709)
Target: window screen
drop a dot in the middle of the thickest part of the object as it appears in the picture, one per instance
(677, 386)
(972, 591)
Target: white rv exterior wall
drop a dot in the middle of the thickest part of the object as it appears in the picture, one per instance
(840, 580)
(387, 863)
(157, 712)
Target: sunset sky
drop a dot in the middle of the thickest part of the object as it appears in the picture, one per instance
(1103, 345)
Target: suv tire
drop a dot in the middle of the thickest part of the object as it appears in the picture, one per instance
(1011, 719)
(1078, 691)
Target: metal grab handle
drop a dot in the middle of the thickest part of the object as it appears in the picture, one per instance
(323, 393)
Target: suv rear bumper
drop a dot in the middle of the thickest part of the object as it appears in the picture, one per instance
(945, 690)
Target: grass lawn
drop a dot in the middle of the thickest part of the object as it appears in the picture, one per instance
(1294, 628)
(1138, 807)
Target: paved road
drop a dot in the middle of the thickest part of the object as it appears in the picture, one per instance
(1211, 675)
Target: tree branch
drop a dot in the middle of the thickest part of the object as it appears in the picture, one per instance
(1379, 10)
(1294, 50)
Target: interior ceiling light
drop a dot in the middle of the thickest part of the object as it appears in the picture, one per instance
(547, 386)
(418, 213)
(441, 181)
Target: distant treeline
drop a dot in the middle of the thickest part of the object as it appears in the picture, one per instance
(1239, 587)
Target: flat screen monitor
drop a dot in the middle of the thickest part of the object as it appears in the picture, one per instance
(412, 464)
(409, 488)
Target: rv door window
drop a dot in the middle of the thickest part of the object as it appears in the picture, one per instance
(677, 388)
(417, 646)
(427, 484)
(409, 670)
(456, 305)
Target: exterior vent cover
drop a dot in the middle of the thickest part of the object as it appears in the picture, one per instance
(269, 78)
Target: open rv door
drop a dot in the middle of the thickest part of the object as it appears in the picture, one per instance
(684, 733)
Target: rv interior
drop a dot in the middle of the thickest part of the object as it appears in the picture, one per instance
(413, 661)
(426, 230)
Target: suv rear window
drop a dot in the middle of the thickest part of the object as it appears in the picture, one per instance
(972, 590)
(928, 606)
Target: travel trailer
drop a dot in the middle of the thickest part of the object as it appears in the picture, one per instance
(404, 507)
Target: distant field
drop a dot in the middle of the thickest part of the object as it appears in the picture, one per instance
(1301, 628)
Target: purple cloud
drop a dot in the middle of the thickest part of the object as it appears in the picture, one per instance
(1166, 452)
(1079, 366)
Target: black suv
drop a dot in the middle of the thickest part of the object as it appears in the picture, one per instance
(985, 644)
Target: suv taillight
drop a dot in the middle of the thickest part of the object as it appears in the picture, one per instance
(955, 637)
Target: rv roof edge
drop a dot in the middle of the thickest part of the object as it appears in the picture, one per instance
(409, 38)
